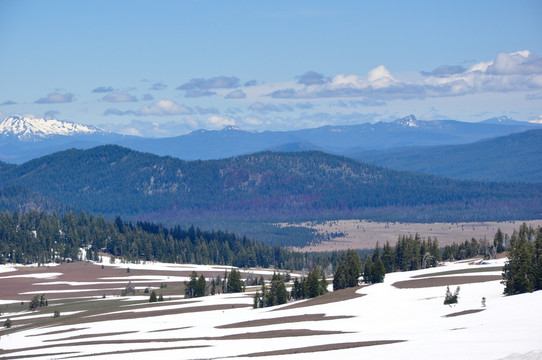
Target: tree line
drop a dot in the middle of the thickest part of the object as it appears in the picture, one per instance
(39, 237)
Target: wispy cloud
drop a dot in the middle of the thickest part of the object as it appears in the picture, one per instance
(103, 89)
(51, 113)
(236, 94)
(55, 98)
(194, 93)
(445, 71)
(158, 86)
(218, 82)
(312, 78)
(157, 108)
(118, 112)
(207, 111)
(119, 97)
(9, 102)
(264, 108)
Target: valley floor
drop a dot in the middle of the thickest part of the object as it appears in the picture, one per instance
(361, 234)
(404, 317)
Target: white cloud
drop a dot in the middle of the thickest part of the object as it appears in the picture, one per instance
(219, 122)
(380, 77)
(508, 72)
(537, 120)
(164, 108)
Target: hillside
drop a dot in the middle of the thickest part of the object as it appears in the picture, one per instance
(403, 315)
(265, 186)
(515, 157)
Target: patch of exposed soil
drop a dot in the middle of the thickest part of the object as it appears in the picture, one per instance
(88, 336)
(465, 312)
(475, 269)
(327, 347)
(282, 320)
(331, 297)
(445, 281)
(59, 331)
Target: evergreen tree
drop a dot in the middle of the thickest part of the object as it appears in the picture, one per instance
(348, 270)
(388, 257)
(449, 298)
(519, 270)
(234, 284)
(200, 286)
(498, 241)
(378, 271)
(190, 287)
(152, 297)
(313, 283)
(368, 271)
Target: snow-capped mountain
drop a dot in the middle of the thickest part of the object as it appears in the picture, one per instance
(36, 129)
(408, 121)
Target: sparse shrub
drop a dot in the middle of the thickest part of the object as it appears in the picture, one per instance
(484, 301)
(56, 314)
(161, 297)
(146, 291)
(449, 298)
(7, 323)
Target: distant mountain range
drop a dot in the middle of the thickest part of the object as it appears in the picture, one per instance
(514, 157)
(23, 139)
(265, 186)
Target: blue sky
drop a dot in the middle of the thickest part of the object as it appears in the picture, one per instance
(165, 68)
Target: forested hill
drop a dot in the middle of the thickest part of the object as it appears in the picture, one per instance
(265, 186)
(514, 157)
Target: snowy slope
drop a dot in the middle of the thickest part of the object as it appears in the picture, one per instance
(507, 327)
(35, 129)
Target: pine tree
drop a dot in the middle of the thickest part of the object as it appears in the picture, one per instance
(368, 271)
(378, 271)
(449, 298)
(200, 286)
(498, 241)
(519, 271)
(153, 298)
(235, 284)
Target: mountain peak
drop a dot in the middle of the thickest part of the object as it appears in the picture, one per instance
(231, 128)
(408, 121)
(28, 128)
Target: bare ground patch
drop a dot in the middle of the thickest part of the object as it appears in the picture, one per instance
(326, 347)
(59, 331)
(331, 297)
(465, 312)
(445, 281)
(282, 320)
(457, 272)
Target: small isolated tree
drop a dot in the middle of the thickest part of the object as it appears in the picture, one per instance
(161, 297)
(153, 298)
(56, 314)
(449, 298)
(8, 323)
